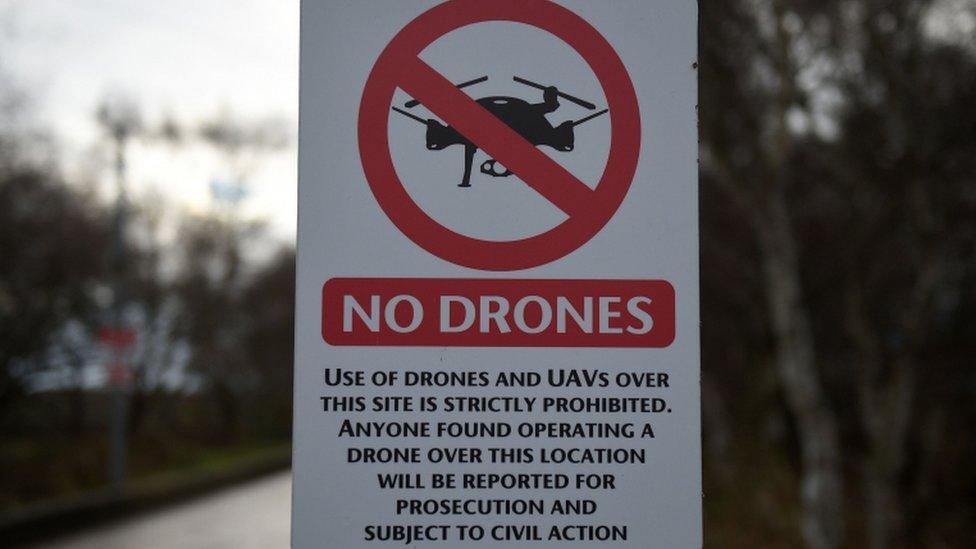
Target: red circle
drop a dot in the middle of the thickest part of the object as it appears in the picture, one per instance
(473, 252)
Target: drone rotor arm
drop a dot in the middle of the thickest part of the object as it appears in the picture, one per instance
(413, 102)
(590, 117)
(410, 115)
(581, 102)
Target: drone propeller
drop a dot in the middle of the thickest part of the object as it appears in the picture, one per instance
(413, 102)
(566, 96)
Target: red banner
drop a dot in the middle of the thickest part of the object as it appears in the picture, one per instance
(433, 312)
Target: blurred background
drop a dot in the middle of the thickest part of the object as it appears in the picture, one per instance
(147, 221)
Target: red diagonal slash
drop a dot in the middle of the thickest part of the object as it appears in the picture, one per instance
(493, 136)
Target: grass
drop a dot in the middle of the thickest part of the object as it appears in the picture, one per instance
(54, 470)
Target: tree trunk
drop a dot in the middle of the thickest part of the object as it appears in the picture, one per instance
(821, 483)
(716, 430)
(880, 499)
(78, 420)
(886, 413)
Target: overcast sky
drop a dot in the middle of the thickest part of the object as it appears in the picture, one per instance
(192, 59)
(189, 58)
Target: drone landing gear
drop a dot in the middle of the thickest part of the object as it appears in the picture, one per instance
(488, 167)
(469, 151)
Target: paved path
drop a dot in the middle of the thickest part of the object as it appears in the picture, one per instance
(254, 515)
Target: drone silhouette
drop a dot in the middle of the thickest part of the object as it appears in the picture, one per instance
(526, 119)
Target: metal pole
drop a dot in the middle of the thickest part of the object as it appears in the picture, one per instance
(120, 398)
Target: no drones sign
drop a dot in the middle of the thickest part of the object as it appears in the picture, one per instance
(497, 306)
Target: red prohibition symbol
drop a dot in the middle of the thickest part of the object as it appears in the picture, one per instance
(587, 210)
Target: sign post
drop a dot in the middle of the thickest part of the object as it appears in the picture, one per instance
(497, 311)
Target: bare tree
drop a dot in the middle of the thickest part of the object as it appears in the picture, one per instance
(848, 149)
(243, 146)
(747, 156)
(908, 164)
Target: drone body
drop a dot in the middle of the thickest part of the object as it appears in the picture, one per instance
(526, 119)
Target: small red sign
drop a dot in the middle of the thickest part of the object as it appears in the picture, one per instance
(117, 338)
(498, 313)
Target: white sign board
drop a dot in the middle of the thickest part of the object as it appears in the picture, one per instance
(497, 317)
